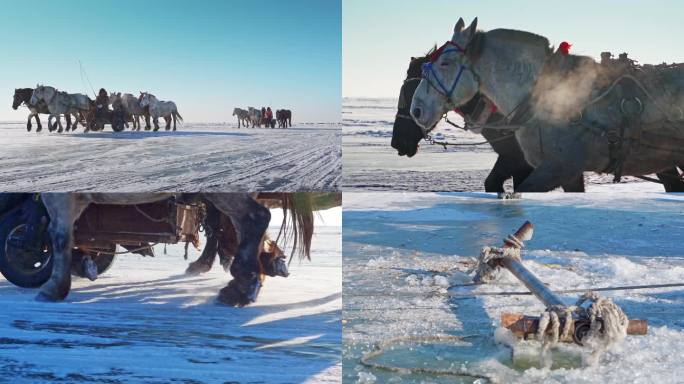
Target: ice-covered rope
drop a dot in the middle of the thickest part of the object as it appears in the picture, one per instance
(549, 322)
(485, 273)
(607, 326)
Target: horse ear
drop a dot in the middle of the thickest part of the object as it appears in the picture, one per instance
(459, 25)
(472, 28)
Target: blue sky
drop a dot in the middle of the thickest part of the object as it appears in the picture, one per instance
(207, 56)
(380, 36)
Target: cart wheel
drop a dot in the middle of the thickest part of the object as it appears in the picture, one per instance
(19, 263)
(103, 261)
(118, 125)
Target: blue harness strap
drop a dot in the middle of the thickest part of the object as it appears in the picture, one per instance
(429, 72)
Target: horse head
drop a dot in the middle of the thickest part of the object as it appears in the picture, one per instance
(145, 99)
(406, 134)
(447, 79)
(18, 99)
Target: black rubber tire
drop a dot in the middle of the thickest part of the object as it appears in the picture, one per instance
(9, 270)
(118, 123)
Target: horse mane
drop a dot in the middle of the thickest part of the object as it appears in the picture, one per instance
(476, 45)
(516, 36)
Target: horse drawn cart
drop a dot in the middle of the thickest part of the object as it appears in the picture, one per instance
(98, 116)
(25, 251)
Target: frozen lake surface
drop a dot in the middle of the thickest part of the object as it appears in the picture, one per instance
(144, 321)
(370, 162)
(403, 250)
(206, 157)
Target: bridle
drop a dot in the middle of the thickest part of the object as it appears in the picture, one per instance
(428, 70)
(403, 105)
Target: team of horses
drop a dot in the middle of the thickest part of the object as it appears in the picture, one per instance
(254, 117)
(50, 101)
(551, 116)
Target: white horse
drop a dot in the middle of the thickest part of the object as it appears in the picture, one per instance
(61, 103)
(131, 105)
(255, 116)
(165, 109)
(242, 116)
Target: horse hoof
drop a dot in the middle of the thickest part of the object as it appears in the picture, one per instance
(39, 129)
(239, 294)
(48, 297)
(197, 268)
(28, 127)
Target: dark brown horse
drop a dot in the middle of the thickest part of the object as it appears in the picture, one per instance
(23, 96)
(284, 118)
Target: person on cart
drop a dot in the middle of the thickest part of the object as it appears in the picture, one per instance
(101, 102)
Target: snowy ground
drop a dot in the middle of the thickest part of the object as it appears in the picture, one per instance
(402, 250)
(145, 322)
(197, 157)
(370, 163)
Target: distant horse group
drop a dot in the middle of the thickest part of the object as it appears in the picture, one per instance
(49, 100)
(254, 117)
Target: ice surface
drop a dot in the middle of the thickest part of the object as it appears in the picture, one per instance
(144, 321)
(217, 157)
(580, 241)
(370, 163)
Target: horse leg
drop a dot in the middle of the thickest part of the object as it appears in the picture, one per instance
(57, 124)
(155, 120)
(576, 184)
(63, 209)
(497, 176)
(547, 176)
(174, 121)
(251, 221)
(167, 119)
(228, 243)
(206, 260)
(28, 123)
(67, 117)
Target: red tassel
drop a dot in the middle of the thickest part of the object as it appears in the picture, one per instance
(564, 47)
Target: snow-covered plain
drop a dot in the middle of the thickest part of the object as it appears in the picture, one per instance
(206, 157)
(403, 250)
(370, 162)
(144, 321)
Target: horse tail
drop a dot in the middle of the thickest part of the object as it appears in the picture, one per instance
(177, 115)
(298, 218)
